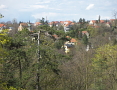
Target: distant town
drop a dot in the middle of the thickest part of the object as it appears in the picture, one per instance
(58, 55)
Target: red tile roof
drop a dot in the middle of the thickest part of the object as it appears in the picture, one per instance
(72, 23)
(68, 37)
(94, 21)
(38, 23)
(61, 22)
(68, 22)
(102, 21)
(108, 23)
(73, 40)
(1, 25)
(24, 24)
(51, 23)
(112, 19)
(55, 36)
(84, 32)
(56, 22)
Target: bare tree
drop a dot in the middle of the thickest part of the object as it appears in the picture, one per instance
(115, 17)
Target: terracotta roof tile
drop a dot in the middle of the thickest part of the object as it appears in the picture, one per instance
(102, 21)
(24, 24)
(72, 23)
(38, 23)
(73, 40)
(1, 25)
(94, 21)
(84, 32)
(68, 37)
(55, 36)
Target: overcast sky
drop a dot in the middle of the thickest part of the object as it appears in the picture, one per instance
(56, 10)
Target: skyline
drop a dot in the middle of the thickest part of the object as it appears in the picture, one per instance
(56, 10)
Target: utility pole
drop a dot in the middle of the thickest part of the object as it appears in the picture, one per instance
(38, 87)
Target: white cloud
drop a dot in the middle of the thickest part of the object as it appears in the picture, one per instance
(90, 6)
(34, 7)
(38, 6)
(44, 14)
(44, 2)
(3, 7)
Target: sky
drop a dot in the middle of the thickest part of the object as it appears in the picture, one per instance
(56, 10)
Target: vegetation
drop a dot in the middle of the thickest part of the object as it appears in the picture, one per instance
(26, 55)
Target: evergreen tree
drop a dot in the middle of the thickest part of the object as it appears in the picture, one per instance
(85, 39)
(80, 20)
(83, 20)
(99, 19)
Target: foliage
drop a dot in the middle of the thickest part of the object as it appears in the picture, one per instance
(85, 39)
(92, 31)
(92, 70)
(4, 38)
(3, 86)
(105, 66)
(59, 44)
(4, 41)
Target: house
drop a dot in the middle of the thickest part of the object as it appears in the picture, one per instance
(102, 21)
(24, 25)
(66, 28)
(37, 24)
(2, 26)
(86, 33)
(51, 24)
(11, 28)
(108, 24)
(68, 47)
(57, 23)
(93, 22)
(54, 23)
(67, 22)
(55, 37)
(73, 41)
(113, 20)
(67, 25)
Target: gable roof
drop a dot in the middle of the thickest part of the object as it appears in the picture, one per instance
(51, 23)
(62, 22)
(38, 23)
(84, 32)
(102, 21)
(73, 40)
(72, 23)
(94, 21)
(24, 24)
(68, 37)
(2, 25)
(113, 20)
(55, 36)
